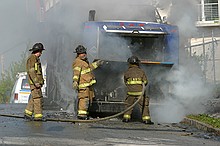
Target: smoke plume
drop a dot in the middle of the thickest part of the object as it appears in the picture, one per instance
(189, 91)
(61, 29)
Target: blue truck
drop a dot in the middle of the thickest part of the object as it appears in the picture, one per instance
(112, 37)
(156, 45)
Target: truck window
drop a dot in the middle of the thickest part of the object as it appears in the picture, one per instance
(25, 84)
(121, 46)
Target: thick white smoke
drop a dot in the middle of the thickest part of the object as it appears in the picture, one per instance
(189, 90)
(184, 14)
(189, 96)
(20, 26)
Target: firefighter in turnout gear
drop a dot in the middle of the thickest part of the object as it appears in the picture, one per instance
(134, 78)
(36, 81)
(83, 79)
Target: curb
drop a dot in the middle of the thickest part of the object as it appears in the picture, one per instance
(201, 126)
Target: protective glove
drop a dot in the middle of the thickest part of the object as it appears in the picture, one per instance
(75, 85)
(42, 83)
(37, 85)
(99, 62)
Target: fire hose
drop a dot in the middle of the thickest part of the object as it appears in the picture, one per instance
(85, 121)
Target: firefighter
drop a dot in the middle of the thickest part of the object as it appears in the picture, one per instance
(83, 79)
(36, 81)
(134, 79)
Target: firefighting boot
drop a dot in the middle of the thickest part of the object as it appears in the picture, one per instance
(126, 118)
(28, 117)
(39, 117)
(82, 117)
(149, 122)
(43, 119)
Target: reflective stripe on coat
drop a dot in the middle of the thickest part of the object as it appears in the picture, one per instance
(34, 70)
(83, 73)
(134, 77)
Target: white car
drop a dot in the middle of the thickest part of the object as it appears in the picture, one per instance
(21, 90)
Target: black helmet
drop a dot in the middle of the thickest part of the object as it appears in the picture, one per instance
(80, 49)
(37, 47)
(133, 60)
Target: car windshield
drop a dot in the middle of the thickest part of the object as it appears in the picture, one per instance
(25, 84)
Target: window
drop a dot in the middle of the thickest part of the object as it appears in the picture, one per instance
(211, 10)
(121, 46)
(25, 84)
(208, 10)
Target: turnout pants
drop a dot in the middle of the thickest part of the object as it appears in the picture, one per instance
(34, 106)
(143, 106)
(85, 97)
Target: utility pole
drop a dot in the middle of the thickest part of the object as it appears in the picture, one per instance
(213, 57)
(204, 57)
(2, 63)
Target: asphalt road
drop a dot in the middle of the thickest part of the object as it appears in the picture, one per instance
(112, 132)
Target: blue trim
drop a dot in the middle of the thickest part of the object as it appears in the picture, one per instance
(25, 90)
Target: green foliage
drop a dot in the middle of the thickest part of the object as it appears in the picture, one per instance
(9, 77)
(215, 122)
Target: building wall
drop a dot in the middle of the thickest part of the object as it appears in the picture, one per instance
(208, 52)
